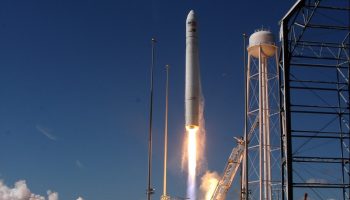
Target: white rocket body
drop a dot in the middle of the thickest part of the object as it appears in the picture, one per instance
(192, 82)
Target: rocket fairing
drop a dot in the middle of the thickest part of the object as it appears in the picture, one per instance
(192, 81)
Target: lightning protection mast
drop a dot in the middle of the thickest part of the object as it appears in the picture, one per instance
(150, 190)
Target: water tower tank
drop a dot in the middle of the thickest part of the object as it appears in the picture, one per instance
(263, 39)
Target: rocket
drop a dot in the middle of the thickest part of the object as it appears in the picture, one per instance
(192, 81)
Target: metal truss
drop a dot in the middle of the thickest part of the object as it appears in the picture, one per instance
(314, 90)
(254, 173)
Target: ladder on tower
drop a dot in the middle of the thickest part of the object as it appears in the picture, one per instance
(233, 163)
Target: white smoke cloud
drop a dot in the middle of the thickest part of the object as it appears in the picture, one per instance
(20, 191)
(80, 198)
(209, 182)
(52, 195)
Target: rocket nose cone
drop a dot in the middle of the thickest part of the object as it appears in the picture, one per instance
(191, 16)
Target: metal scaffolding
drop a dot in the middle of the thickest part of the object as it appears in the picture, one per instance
(314, 91)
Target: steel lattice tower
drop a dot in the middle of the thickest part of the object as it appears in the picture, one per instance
(314, 90)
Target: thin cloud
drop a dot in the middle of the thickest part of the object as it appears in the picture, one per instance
(46, 132)
(79, 164)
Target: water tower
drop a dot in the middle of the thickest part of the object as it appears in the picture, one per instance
(261, 167)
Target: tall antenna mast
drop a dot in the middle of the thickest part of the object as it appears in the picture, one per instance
(165, 196)
(150, 190)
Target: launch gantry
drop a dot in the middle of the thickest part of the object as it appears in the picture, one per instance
(233, 163)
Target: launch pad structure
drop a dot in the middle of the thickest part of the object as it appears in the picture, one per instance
(314, 89)
(303, 101)
(297, 138)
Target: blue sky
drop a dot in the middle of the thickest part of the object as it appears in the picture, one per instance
(74, 83)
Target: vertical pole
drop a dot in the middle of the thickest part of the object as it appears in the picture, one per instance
(150, 190)
(267, 132)
(287, 115)
(244, 177)
(347, 191)
(265, 124)
(165, 197)
(261, 143)
(278, 102)
(282, 124)
(281, 130)
(341, 139)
